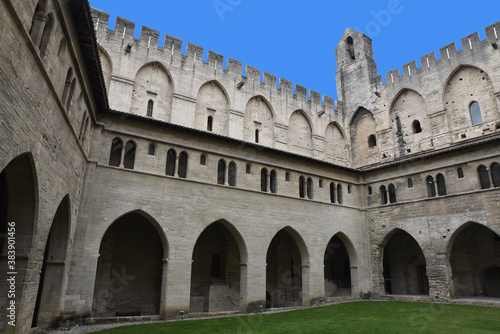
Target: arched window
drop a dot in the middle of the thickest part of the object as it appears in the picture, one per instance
(232, 174)
(416, 127)
(67, 86)
(273, 182)
(70, 94)
(302, 193)
(115, 154)
(484, 177)
(320, 183)
(370, 191)
(221, 172)
(372, 141)
(170, 169)
(210, 123)
(410, 182)
(287, 177)
(203, 160)
(431, 188)
(151, 150)
(47, 31)
(441, 185)
(460, 173)
(350, 48)
(83, 128)
(383, 195)
(309, 188)
(183, 164)
(248, 169)
(39, 21)
(495, 174)
(392, 193)
(129, 158)
(149, 111)
(62, 47)
(256, 135)
(475, 113)
(332, 192)
(263, 180)
(340, 198)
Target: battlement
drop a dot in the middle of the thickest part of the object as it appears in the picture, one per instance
(449, 53)
(124, 31)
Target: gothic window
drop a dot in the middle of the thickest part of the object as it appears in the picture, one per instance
(392, 193)
(475, 113)
(83, 128)
(221, 172)
(460, 173)
(149, 111)
(332, 192)
(256, 135)
(67, 86)
(151, 149)
(116, 152)
(484, 177)
(309, 188)
(410, 183)
(301, 187)
(210, 122)
(383, 195)
(183, 163)
(70, 94)
(263, 180)
(273, 180)
(340, 198)
(170, 169)
(441, 185)
(203, 160)
(416, 127)
(231, 178)
(431, 188)
(47, 31)
(495, 174)
(372, 141)
(129, 158)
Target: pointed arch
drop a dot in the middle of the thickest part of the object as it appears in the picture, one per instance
(153, 82)
(335, 142)
(106, 65)
(363, 127)
(259, 121)
(340, 266)
(300, 133)
(212, 101)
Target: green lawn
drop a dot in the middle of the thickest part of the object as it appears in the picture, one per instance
(355, 317)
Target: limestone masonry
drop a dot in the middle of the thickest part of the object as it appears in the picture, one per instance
(141, 183)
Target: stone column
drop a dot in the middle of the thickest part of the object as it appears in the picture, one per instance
(122, 156)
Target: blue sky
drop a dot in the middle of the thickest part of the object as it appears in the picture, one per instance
(296, 40)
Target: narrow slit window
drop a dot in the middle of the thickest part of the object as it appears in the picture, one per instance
(183, 164)
(170, 169)
(340, 197)
(257, 135)
(149, 111)
(248, 169)
(263, 180)
(301, 187)
(309, 188)
(221, 172)
(332, 192)
(273, 182)
(210, 122)
(231, 178)
(410, 183)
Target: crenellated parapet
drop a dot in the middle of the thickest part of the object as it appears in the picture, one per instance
(187, 101)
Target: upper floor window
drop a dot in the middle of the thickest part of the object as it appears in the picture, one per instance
(129, 157)
(287, 177)
(441, 185)
(257, 135)
(302, 192)
(263, 179)
(475, 113)
(372, 141)
(460, 173)
(495, 174)
(171, 156)
(392, 193)
(332, 192)
(203, 160)
(309, 188)
(350, 48)
(370, 191)
(183, 164)
(484, 177)
(416, 127)
(115, 153)
(221, 172)
(149, 111)
(231, 178)
(431, 188)
(410, 182)
(248, 169)
(383, 195)
(340, 197)
(210, 122)
(83, 128)
(151, 150)
(273, 182)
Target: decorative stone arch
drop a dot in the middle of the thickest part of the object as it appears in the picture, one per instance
(212, 102)
(349, 287)
(153, 82)
(402, 270)
(336, 143)
(477, 86)
(106, 65)
(222, 288)
(300, 133)
(362, 126)
(134, 248)
(471, 251)
(287, 279)
(259, 116)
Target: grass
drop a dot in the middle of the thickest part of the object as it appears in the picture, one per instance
(355, 317)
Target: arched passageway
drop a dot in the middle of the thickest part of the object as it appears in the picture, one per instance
(283, 272)
(18, 201)
(215, 272)
(404, 266)
(337, 268)
(475, 262)
(129, 270)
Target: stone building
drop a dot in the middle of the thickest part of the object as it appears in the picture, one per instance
(144, 182)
